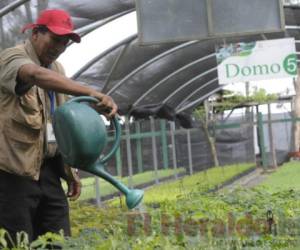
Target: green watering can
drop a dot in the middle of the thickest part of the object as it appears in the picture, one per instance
(81, 137)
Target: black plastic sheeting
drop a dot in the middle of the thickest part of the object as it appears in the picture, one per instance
(184, 73)
(189, 66)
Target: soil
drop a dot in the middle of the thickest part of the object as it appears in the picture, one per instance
(250, 180)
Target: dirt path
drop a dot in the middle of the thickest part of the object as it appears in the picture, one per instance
(251, 180)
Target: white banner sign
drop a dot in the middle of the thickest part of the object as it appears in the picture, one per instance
(261, 60)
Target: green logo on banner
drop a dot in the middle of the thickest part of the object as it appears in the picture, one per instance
(290, 64)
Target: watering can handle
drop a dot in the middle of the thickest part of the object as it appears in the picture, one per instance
(114, 120)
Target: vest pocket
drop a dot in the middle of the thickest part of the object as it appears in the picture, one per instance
(28, 110)
(22, 148)
(20, 132)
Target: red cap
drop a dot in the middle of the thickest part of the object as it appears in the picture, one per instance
(57, 21)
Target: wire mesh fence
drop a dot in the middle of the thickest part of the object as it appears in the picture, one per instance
(153, 151)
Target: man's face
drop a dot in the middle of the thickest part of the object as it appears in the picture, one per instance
(48, 46)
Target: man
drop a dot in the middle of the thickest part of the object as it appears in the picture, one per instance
(31, 196)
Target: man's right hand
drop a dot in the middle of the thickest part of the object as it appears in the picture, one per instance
(106, 104)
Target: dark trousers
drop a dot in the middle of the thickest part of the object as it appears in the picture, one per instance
(35, 207)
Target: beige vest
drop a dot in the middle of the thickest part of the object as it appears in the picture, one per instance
(23, 118)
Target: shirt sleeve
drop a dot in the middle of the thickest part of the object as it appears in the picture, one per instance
(61, 98)
(11, 60)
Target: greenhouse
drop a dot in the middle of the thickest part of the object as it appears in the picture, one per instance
(192, 160)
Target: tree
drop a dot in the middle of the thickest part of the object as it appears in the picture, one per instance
(202, 113)
(228, 101)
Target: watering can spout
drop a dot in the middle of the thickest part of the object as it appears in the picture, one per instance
(133, 196)
(81, 137)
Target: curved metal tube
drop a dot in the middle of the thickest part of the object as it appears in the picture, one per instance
(97, 58)
(150, 62)
(10, 7)
(188, 83)
(170, 76)
(195, 92)
(199, 100)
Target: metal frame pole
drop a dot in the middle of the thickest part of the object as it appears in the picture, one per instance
(28, 12)
(2, 35)
(164, 144)
(154, 149)
(129, 153)
(271, 134)
(262, 140)
(12, 6)
(188, 133)
(139, 147)
(119, 162)
(173, 128)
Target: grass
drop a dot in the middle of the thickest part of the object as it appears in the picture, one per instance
(203, 181)
(201, 219)
(187, 200)
(88, 184)
(285, 178)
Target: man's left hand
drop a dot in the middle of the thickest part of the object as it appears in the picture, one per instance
(74, 189)
(73, 182)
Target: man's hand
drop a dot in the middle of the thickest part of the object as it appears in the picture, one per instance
(74, 190)
(73, 182)
(106, 105)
